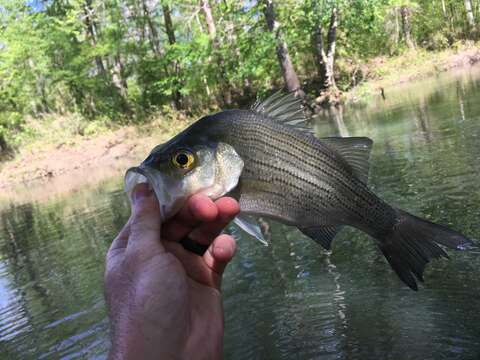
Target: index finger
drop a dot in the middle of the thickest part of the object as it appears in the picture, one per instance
(204, 234)
(198, 209)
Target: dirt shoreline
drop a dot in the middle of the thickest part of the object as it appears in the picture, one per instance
(47, 170)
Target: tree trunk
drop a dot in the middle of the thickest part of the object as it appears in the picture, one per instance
(139, 21)
(444, 10)
(470, 16)
(39, 101)
(152, 33)
(320, 53)
(476, 10)
(406, 26)
(207, 10)
(3, 144)
(118, 78)
(446, 16)
(397, 36)
(326, 59)
(168, 24)
(225, 90)
(288, 72)
(41, 83)
(332, 40)
(92, 33)
(177, 97)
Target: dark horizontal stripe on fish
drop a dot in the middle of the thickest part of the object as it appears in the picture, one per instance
(345, 203)
(265, 189)
(342, 201)
(283, 180)
(340, 176)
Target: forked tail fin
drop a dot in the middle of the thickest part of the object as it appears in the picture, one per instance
(413, 242)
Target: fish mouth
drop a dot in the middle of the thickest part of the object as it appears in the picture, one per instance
(142, 174)
(134, 176)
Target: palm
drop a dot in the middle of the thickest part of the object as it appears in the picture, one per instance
(162, 298)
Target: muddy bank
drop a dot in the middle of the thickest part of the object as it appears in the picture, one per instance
(45, 170)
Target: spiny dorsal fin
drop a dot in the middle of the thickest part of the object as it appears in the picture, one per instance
(284, 108)
(322, 234)
(355, 151)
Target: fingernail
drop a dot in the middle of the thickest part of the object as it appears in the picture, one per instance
(222, 249)
(140, 192)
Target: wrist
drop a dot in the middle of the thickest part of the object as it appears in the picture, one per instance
(130, 341)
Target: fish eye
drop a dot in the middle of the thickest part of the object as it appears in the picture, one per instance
(183, 159)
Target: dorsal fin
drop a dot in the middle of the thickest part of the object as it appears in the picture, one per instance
(284, 108)
(355, 151)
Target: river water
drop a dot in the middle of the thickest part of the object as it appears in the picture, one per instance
(292, 299)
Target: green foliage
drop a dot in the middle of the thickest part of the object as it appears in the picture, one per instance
(113, 59)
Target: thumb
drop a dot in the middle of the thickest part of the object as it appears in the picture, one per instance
(144, 241)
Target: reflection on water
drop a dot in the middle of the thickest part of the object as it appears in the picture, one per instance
(291, 299)
(51, 264)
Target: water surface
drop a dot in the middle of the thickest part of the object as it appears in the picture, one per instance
(291, 299)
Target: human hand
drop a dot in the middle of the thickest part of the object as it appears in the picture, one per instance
(164, 301)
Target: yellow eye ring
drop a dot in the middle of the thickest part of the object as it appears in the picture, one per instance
(183, 159)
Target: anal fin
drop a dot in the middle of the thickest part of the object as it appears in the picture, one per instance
(322, 234)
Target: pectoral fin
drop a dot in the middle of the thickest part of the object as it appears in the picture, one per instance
(322, 234)
(250, 226)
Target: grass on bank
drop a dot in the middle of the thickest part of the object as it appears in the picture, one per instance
(71, 128)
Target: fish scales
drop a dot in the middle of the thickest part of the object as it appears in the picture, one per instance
(266, 159)
(330, 186)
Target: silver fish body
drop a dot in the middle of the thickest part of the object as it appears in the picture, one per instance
(296, 178)
(317, 185)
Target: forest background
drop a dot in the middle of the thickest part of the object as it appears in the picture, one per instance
(92, 65)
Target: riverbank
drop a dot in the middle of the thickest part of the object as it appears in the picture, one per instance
(56, 162)
(382, 73)
(47, 167)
